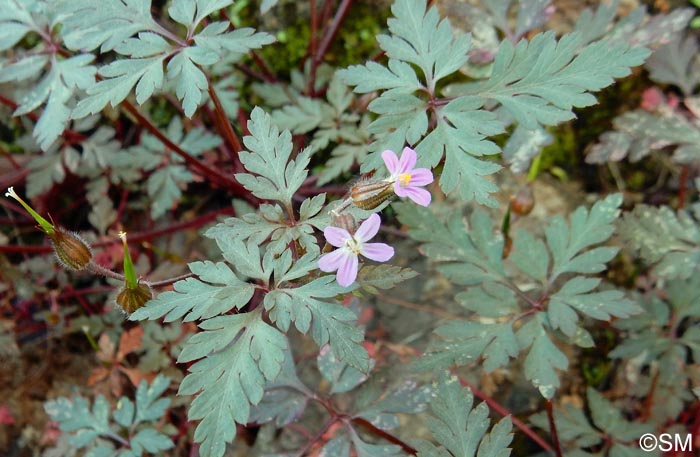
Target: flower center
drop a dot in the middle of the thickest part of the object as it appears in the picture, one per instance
(404, 179)
(353, 246)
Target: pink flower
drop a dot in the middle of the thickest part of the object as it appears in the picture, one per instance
(344, 259)
(407, 179)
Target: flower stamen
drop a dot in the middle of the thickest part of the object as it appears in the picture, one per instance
(404, 179)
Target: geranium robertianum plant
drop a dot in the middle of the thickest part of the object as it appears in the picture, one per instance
(152, 118)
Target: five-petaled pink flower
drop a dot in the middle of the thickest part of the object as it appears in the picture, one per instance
(344, 259)
(408, 180)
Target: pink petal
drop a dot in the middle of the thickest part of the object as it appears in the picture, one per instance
(408, 160)
(348, 270)
(336, 236)
(418, 195)
(368, 228)
(333, 260)
(391, 161)
(399, 190)
(379, 252)
(421, 177)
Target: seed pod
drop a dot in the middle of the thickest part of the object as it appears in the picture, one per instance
(71, 250)
(523, 202)
(368, 195)
(130, 299)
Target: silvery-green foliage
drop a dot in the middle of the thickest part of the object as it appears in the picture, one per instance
(544, 286)
(677, 63)
(665, 340)
(243, 349)
(168, 177)
(639, 133)
(44, 78)
(459, 428)
(636, 28)
(373, 400)
(331, 122)
(606, 427)
(153, 58)
(273, 176)
(131, 423)
(538, 82)
(666, 239)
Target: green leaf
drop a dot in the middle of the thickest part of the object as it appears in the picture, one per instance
(149, 405)
(215, 291)
(151, 441)
(543, 359)
(639, 133)
(240, 41)
(271, 223)
(421, 38)
(272, 175)
(540, 81)
(329, 322)
(371, 278)
(530, 256)
(666, 239)
(585, 230)
(76, 416)
(241, 352)
(464, 343)
(190, 80)
(577, 294)
(460, 429)
(343, 378)
(55, 90)
(677, 63)
(89, 25)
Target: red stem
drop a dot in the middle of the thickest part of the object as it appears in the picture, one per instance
(193, 162)
(133, 238)
(494, 405)
(331, 32)
(223, 123)
(553, 428)
(387, 436)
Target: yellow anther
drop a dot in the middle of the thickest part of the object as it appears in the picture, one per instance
(404, 179)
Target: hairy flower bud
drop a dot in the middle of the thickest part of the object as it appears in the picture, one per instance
(71, 250)
(368, 195)
(131, 299)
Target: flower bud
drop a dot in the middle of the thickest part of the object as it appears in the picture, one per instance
(71, 250)
(523, 202)
(131, 299)
(368, 195)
